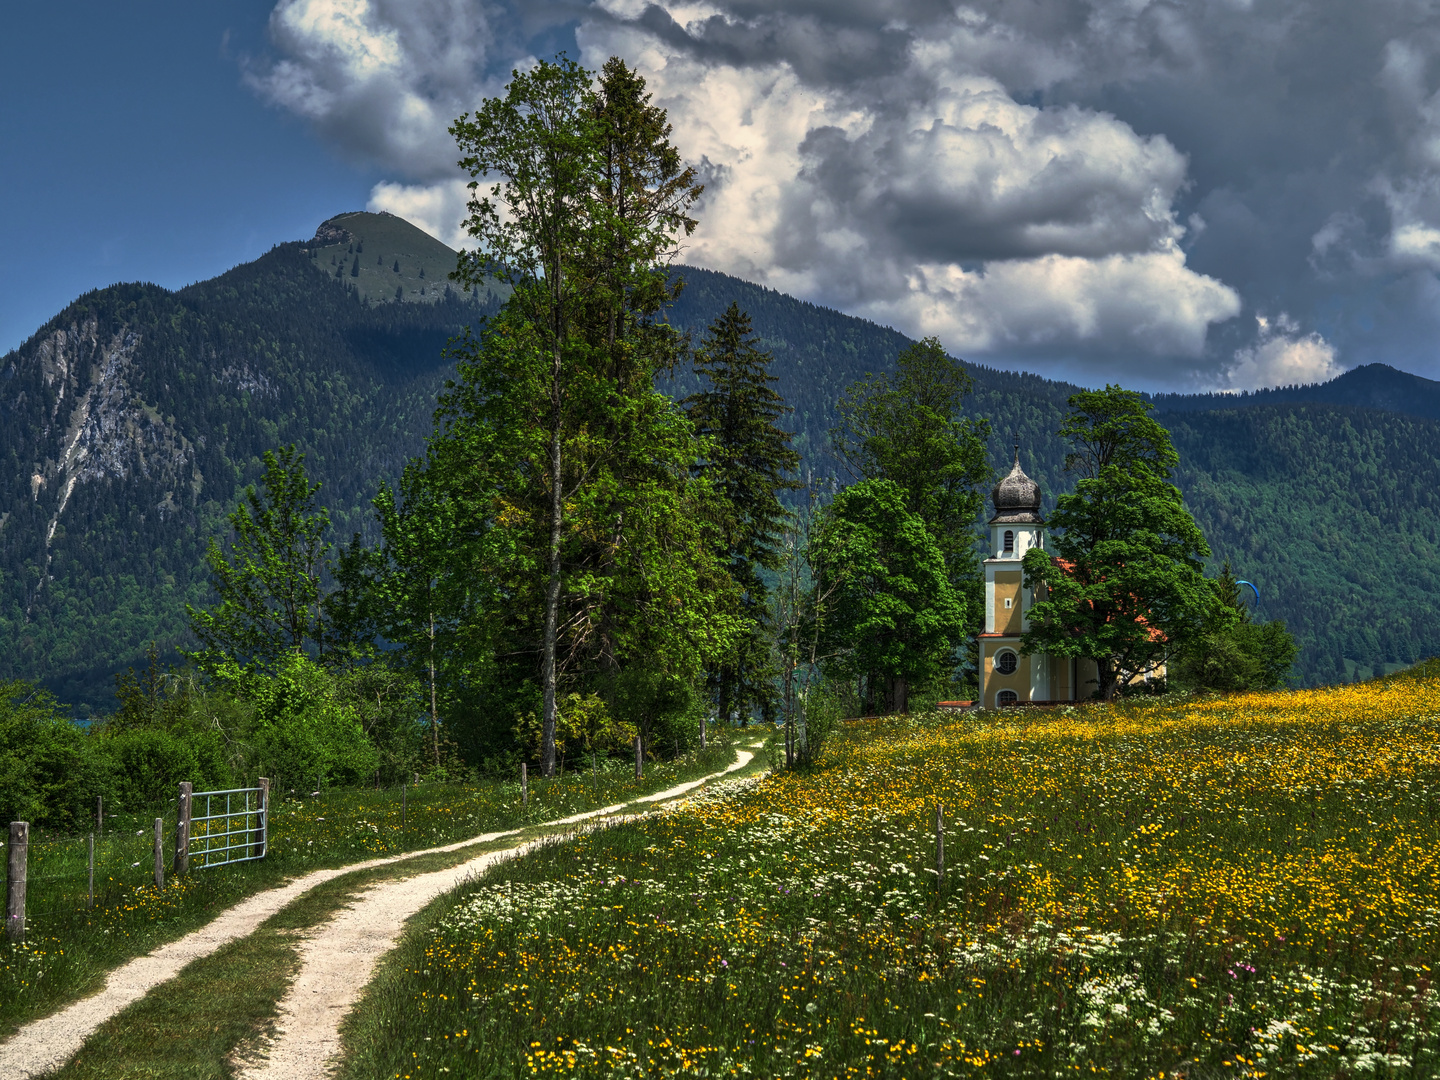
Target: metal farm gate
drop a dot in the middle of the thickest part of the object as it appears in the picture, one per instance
(221, 827)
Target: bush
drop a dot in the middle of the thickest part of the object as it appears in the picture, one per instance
(305, 730)
(49, 771)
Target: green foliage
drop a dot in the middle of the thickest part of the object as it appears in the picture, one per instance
(570, 471)
(749, 462)
(908, 427)
(1232, 653)
(1122, 580)
(893, 618)
(268, 583)
(583, 727)
(47, 768)
(305, 729)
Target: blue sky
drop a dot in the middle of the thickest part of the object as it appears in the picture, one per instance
(134, 152)
(1220, 194)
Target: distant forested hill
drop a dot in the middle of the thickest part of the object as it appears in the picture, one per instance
(1327, 497)
(131, 421)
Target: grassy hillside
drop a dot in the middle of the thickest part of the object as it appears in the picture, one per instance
(1241, 888)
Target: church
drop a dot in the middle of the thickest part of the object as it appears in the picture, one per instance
(1008, 676)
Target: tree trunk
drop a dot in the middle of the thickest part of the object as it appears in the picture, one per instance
(434, 713)
(552, 592)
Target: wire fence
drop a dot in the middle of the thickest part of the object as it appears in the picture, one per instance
(73, 879)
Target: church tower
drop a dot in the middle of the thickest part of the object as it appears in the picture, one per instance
(1008, 676)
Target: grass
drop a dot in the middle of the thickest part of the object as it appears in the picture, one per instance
(69, 948)
(1242, 887)
(190, 1027)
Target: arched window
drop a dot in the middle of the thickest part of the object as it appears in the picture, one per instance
(1006, 697)
(1005, 662)
(1009, 540)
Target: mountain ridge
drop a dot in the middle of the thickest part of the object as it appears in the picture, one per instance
(132, 420)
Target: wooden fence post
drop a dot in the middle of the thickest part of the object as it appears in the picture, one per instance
(639, 766)
(403, 789)
(15, 880)
(182, 828)
(703, 721)
(939, 844)
(159, 853)
(524, 786)
(262, 831)
(91, 862)
(100, 814)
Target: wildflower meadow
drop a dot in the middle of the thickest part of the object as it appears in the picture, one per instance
(1240, 887)
(69, 945)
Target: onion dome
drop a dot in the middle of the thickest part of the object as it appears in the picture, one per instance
(1017, 497)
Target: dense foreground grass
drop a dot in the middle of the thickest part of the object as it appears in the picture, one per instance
(1244, 887)
(69, 947)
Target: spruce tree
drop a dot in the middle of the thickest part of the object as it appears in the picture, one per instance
(749, 462)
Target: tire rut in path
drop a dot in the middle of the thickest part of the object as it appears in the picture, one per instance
(338, 959)
(44, 1045)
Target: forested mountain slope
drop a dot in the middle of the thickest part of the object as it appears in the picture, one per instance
(131, 421)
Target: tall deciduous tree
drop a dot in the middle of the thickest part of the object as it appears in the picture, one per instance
(893, 619)
(268, 583)
(749, 462)
(1121, 579)
(589, 207)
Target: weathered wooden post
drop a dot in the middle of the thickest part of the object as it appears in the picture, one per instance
(19, 850)
(939, 844)
(91, 862)
(403, 800)
(524, 786)
(182, 828)
(703, 721)
(159, 853)
(100, 814)
(262, 821)
(639, 759)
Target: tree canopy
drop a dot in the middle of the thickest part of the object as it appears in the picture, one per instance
(1121, 580)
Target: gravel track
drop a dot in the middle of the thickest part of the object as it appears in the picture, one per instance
(336, 959)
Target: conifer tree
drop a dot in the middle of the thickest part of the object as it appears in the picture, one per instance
(749, 461)
(593, 199)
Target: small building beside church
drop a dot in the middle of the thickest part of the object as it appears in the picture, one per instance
(1008, 676)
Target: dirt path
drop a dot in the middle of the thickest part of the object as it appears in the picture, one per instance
(337, 960)
(360, 935)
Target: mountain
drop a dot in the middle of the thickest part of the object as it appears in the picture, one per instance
(132, 421)
(1373, 386)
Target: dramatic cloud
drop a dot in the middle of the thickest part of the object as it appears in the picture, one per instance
(1080, 186)
(1281, 356)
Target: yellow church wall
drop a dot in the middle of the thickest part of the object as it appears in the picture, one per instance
(1019, 680)
(1007, 587)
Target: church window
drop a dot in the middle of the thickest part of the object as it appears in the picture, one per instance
(1005, 663)
(1006, 697)
(1009, 602)
(1009, 540)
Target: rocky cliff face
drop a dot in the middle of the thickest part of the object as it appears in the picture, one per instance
(98, 427)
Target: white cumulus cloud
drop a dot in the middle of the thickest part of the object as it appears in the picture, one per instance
(1282, 356)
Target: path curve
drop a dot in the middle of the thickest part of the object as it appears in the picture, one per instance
(48, 1043)
(338, 959)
